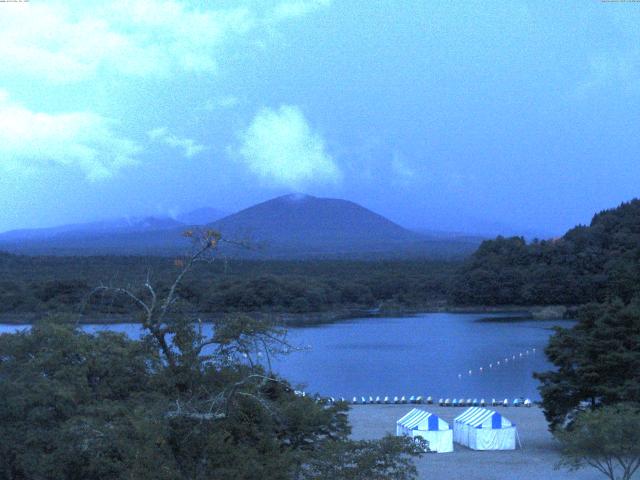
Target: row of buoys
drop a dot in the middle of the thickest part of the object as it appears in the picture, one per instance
(505, 361)
(482, 403)
(462, 402)
(419, 400)
(429, 400)
(389, 400)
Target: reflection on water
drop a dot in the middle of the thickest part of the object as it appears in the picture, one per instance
(428, 354)
(437, 354)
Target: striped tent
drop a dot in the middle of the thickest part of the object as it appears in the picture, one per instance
(482, 429)
(422, 424)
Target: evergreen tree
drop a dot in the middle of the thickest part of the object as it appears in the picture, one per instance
(597, 360)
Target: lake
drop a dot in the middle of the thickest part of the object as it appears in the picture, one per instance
(437, 354)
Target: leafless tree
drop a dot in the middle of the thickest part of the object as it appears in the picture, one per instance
(156, 308)
(235, 340)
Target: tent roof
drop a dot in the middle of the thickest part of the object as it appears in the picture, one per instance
(477, 416)
(416, 417)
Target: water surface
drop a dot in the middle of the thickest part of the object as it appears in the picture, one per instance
(427, 354)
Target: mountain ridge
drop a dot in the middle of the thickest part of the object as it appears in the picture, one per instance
(298, 217)
(289, 226)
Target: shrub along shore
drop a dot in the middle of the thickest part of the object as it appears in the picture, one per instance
(513, 314)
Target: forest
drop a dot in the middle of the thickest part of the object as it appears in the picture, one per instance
(62, 284)
(588, 264)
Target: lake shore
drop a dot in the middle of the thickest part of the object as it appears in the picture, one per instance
(516, 313)
(535, 460)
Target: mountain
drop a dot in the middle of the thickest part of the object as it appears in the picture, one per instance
(122, 236)
(303, 219)
(201, 216)
(306, 226)
(117, 227)
(121, 225)
(291, 226)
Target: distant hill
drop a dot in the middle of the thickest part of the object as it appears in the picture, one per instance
(303, 221)
(306, 226)
(121, 225)
(120, 236)
(588, 263)
(83, 235)
(291, 226)
(201, 216)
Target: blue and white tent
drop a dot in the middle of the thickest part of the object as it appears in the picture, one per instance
(482, 429)
(422, 424)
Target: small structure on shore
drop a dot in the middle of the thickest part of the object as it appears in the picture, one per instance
(427, 426)
(483, 429)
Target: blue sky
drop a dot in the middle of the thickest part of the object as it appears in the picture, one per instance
(468, 116)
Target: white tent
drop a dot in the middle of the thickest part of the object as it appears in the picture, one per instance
(482, 429)
(419, 423)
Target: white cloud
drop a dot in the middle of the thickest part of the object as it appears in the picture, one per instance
(281, 148)
(402, 173)
(76, 40)
(188, 145)
(32, 141)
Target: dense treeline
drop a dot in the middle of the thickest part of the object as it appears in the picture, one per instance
(61, 284)
(588, 264)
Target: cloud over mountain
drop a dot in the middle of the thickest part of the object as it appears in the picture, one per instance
(281, 148)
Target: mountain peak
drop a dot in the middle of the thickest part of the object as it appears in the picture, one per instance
(304, 222)
(295, 197)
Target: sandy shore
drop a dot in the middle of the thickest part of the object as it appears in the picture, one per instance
(535, 460)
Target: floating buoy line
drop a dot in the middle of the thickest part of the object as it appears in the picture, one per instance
(498, 363)
(419, 399)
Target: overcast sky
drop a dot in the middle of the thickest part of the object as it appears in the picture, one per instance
(514, 115)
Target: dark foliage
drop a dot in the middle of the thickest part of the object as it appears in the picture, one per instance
(588, 264)
(60, 284)
(81, 406)
(597, 360)
(607, 439)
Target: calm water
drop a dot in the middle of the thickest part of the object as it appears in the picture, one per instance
(428, 354)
